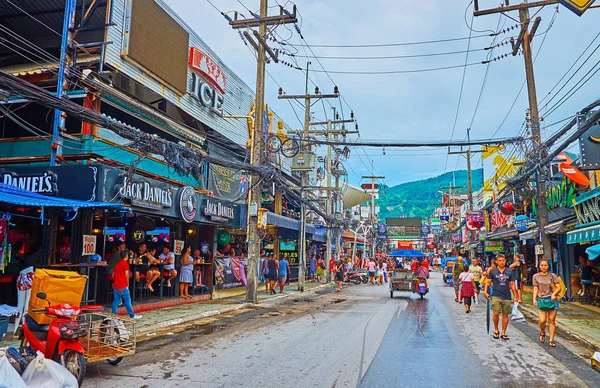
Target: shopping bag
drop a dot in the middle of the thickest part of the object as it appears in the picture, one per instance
(9, 377)
(45, 373)
(516, 315)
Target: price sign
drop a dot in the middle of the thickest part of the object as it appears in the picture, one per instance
(89, 245)
(178, 247)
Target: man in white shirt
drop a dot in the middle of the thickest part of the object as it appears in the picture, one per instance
(168, 259)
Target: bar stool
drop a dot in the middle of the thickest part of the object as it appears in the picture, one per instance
(174, 289)
(595, 293)
(143, 292)
(587, 296)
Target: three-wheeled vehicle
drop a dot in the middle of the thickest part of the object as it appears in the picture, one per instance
(400, 279)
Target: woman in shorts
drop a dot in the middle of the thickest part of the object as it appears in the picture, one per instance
(545, 297)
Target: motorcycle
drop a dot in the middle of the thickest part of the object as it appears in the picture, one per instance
(58, 340)
(356, 278)
(422, 289)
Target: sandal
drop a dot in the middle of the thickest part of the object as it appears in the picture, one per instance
(552, 344)
(542, 337)
(504, 337)
(496, 335)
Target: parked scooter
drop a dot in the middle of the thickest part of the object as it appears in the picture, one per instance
(356, 278)
(58, 340)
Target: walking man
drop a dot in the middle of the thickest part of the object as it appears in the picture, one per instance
(516, 267)
(284, 266)
(502, 280)
(121, 286)
(312, 267)
(477, 271)
(457, 270)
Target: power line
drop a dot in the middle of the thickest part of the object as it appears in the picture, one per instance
(399, 44)
(387, 56)
(399, 71)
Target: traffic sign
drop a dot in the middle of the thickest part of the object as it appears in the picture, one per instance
(577, 6)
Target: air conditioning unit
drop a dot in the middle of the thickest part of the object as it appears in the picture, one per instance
(304, 161)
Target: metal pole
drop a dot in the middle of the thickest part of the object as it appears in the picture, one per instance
(254, 196)
(62, 83)
(373, 250)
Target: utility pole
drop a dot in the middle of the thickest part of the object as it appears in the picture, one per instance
(58, 123)
(256, 152)
(305, 146)
(524, 42)
(373, 178)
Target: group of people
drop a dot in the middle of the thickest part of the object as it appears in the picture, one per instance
(274, 272)
(501, 283)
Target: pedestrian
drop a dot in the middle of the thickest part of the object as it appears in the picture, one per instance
(467, 288)
(385, 273)
(457, 270)
(477, 272)
(121, 286)
(264, 270)
(501, 279)
(516, 267)
(320, 269)
(380, 274)
(545, 297)
(371, 268)
(186, 276)
(339, 274)
(284, 267)
(312, 267)
(273, 273)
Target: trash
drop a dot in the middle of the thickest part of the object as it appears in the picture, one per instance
(45, 373)
(150, 334)
(596, 361)
(516, 315)
(9, 377)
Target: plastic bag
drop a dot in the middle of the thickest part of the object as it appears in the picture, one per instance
(516, 315)
(45, 373)
(9, 377)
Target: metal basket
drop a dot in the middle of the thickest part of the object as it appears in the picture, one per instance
(108, 337)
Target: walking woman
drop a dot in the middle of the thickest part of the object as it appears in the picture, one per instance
(186, 274)
(380, 274)
(545, 297)
(467, 289)
(273, 273)
(320, 269)
(339, 274)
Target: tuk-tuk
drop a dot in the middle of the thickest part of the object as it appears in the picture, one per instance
(448, 272)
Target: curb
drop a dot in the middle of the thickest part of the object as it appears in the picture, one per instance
(563, 330)
(206, 314)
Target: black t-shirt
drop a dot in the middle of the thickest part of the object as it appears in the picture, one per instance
(586, 272)
(516, 271)
(500, 282)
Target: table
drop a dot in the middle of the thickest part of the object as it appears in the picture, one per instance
(87, 267)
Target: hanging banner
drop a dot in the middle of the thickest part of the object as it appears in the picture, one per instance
(230, 272)
(226, 183)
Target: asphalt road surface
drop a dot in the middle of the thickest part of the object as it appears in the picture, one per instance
(361, 338)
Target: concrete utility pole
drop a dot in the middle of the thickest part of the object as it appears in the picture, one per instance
(524, 42)
(256, 153)
(305, 145)
(373, 177)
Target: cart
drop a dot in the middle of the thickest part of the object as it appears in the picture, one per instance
(109, 338)
(400, 280)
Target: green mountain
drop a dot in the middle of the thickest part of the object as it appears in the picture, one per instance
(420, 198)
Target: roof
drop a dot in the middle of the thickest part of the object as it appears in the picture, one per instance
(16, 196)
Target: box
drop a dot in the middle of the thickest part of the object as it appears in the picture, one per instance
(59, 286)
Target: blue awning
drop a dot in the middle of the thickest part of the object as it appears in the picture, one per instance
(283, 222)
(17, 196)
(407, 253)
(319, 237)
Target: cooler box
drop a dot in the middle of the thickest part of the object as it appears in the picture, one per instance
(59, 286)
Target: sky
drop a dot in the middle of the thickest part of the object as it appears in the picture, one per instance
(417, 105)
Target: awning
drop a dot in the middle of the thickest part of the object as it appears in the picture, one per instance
(583, 235)
(529, 235)
(502, 233)
(319, 237)
(17, 196)
(287, 223)
(559, 226)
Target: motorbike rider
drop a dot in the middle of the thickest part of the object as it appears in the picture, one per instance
(422, 274)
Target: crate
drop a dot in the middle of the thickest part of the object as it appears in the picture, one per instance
(108, 336)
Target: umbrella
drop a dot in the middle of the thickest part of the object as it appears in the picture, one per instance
(593, 251)
(407, 253)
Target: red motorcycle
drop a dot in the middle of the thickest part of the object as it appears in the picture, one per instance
(58, 340)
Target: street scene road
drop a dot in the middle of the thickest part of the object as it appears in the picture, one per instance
(358, 338)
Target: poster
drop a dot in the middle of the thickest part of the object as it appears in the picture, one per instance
(89, 245)
(230, 272)
(178, 247)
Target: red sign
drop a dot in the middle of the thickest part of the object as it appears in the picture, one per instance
(203, 64)
(369, 186)
(405, 245)
(574, 174)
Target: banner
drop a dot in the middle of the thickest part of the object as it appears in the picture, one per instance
(226, 183)
(498, 166)
(230, 272)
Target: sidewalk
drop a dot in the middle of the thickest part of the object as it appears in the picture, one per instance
(575, 320)
(158, 322)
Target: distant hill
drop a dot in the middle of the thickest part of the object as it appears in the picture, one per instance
(420, 198)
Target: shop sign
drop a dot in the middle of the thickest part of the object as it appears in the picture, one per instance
(561, 195)
(188, 203)
(588, 211)
(178, 247)
(444, 214)
(145, 194)
(499, 219)
(474, 220)
(425, 229)
(494, 246)
(89, 245)
(42, 183)
(138, 236)
(522, 223)
(230, 272)
(208, 90)
(217, 210)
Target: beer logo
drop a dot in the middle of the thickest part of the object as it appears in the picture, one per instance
(188, 203)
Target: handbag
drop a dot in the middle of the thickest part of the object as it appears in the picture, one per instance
(546, 304)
